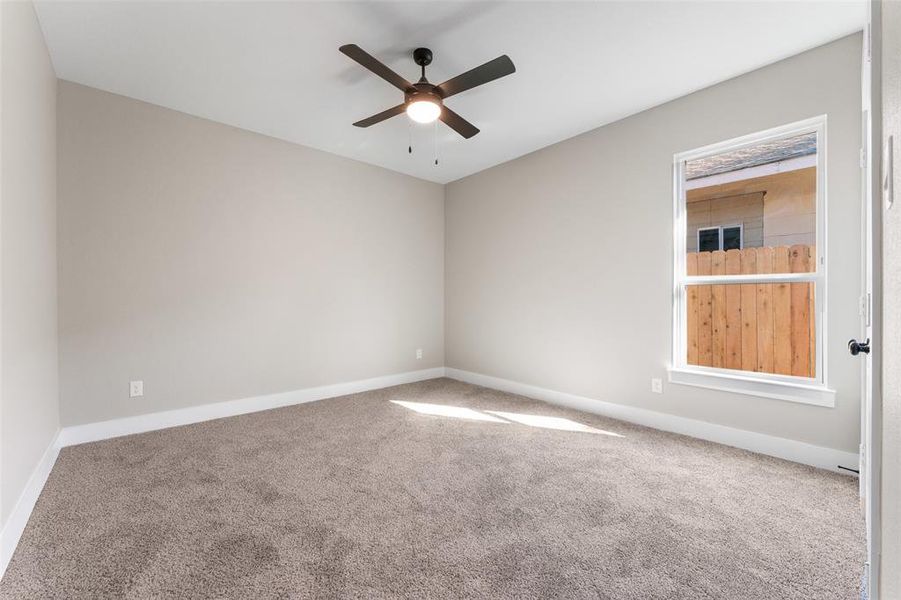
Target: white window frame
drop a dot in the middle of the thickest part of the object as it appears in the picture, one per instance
(741, 234)
(782, 387)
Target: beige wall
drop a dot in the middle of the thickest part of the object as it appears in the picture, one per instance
(214, 263)
(559, 263)
(29, 409)
(790, 208)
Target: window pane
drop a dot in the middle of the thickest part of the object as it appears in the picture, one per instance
(708, 240)
(759, 327)
(731, 238)
(762, 196)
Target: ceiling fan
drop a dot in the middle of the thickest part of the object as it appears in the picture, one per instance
(424, 101)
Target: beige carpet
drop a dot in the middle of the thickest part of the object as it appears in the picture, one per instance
(362, 497)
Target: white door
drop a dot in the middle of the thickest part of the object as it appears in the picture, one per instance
(869, 304)
(860, 348)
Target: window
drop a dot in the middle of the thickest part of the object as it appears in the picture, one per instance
(730, 238)
(750, 265)
(711, 239)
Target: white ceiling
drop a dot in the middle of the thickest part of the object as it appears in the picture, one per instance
(274, 68)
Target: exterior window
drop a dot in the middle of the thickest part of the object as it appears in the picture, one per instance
(711, 239)
(731, 238)
(750, 265)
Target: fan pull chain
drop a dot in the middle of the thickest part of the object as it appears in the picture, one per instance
(409, 137)
(436, 142)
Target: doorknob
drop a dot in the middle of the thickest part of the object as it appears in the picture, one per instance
(856, 347)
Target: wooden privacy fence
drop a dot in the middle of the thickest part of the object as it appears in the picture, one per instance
(763, 327)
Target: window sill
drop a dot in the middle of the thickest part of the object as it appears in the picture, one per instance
(803, 393)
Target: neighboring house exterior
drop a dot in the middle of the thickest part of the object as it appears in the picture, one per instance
(771, 210)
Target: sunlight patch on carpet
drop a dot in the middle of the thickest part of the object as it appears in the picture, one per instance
(443, 410)
(497, 416)
(550, 423)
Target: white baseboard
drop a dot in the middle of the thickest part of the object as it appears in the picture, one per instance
(808, 454)
(18, 518)
(92, 432)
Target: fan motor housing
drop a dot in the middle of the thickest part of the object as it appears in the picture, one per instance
(425, 91)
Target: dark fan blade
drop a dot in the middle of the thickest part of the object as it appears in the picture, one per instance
(458, 123)
(385, 114)
(491, 70)
(374, 65)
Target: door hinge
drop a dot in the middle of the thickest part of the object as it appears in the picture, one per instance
(863, 158)
(888, 190)
(866, 307)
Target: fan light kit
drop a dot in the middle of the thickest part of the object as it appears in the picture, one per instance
(423, 111)
(424, 101)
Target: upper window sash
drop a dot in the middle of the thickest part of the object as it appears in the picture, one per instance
(813, 125)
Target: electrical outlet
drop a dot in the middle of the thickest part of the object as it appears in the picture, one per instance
(135, 389)
(419, 354)
(656, 385)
